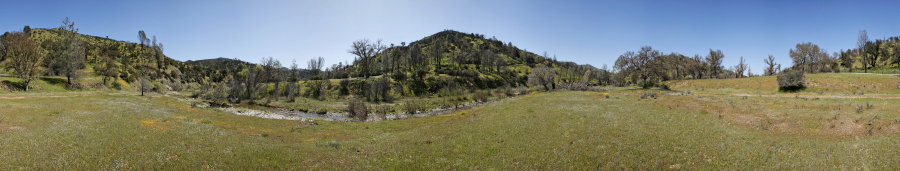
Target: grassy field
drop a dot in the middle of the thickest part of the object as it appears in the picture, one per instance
(832, 83)
(729, 127)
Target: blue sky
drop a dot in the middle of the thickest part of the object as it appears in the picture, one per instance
(592, 32)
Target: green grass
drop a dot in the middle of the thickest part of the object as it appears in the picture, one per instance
(830, 82)
(11, 84)
(879, 70)
(559, 130)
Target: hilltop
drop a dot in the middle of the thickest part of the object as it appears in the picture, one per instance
(468, 60)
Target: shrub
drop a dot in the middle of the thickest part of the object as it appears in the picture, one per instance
(413, 107)
(791, 80)
(510, 92)
(73, 86)
(119, 84)
(382, 110)
(177, 85)
(579, 86)
(648, 95)
(357, 109)
(344, 87)
(664, 87)
(522, 91)
(481, 96)
(316, 89)
(217, 92)
(542, 76)
(379, 90)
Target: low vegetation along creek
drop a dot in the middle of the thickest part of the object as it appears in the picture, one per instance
(451, 100)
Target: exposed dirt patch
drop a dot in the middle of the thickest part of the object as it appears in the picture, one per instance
(746, 119)
(844, 126)
(787, 127)
(5, 127)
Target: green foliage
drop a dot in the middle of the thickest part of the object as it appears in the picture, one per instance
(452, 58)
(877, 54)
(22, 55)
(317, 89)
(791, 80)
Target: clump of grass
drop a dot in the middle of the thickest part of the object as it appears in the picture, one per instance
(413, 107)
(481, 96)
(334, 144)
(648, 95)
(860, 108)
(296, 128)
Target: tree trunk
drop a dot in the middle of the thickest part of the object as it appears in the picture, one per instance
(275, 91)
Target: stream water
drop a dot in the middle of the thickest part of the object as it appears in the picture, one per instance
(332, 116)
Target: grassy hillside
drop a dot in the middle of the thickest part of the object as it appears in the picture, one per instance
(126, 56)
(471, 61)
(569, 130)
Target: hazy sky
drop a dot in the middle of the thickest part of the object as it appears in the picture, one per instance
(592, 32)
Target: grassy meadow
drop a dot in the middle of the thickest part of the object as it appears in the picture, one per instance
(732, 124)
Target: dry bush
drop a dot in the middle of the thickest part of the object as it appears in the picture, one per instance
(358, 109)
(481, 96)
(413, 107)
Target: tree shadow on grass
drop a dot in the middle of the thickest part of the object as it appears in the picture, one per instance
(792, 89)
(14, 86)
(54, 81)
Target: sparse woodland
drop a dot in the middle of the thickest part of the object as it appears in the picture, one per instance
(447, 64)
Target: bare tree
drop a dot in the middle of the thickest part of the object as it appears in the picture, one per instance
(291, 88)
(770, 66)
(22, 55)
(365, 50)
(740, 68)
(543, 76)
(144, 79)
(271, 67)
(861, 43)
(157, 52)
(315, 65)
(144, 42)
